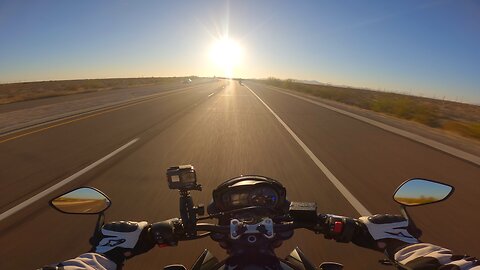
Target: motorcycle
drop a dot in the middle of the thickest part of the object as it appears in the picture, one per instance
(254, 217)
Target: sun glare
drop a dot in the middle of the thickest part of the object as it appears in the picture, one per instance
(226, 54)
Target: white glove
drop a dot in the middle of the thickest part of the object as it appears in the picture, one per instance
(389, 227)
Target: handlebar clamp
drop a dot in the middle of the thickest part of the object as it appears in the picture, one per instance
(238, 228)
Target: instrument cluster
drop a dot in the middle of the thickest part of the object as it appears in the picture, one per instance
(264, 196)
(249, 191)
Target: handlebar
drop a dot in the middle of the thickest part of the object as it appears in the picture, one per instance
(207, 227)
(342, 229)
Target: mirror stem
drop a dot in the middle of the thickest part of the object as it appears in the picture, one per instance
(98, 229)
(405, 214)
(416, 231)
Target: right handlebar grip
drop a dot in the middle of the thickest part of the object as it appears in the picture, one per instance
(342, 229)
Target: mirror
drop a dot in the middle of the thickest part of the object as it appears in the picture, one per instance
(419, 191)
(85, 200)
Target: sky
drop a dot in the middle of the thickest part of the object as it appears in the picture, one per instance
(426, 48)
(422, 188)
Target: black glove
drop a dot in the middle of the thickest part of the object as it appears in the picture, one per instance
(386, 233)
(122, 240)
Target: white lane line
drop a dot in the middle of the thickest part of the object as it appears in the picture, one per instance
(65, 181)
(343, 190)
(434, 144)
(211, 94)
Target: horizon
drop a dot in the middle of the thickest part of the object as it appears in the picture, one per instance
(312, 82)
(424, 49)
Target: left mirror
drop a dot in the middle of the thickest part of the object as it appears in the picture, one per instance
(85, 200)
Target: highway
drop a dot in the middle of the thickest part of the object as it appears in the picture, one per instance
(224, 129)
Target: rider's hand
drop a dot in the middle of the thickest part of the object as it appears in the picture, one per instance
(122, 240)
(385, 233)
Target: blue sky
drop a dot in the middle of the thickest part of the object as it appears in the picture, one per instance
(429, 48)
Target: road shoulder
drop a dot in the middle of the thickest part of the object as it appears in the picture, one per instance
(444, 137)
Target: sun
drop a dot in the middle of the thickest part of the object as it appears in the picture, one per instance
(227, 54)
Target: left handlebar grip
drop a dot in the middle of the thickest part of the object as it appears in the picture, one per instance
(165, 232)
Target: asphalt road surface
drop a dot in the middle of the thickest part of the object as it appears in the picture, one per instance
(224, 130)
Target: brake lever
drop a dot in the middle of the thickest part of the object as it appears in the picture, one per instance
(194, 237)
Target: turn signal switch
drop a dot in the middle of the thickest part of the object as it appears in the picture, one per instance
(339, 228)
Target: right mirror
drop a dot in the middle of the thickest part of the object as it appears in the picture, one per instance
(419, 191)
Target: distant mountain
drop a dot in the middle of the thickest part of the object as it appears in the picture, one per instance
(309, 82)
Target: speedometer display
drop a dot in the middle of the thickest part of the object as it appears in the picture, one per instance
(256, 196)
(264, 196)
(249, 191)
(236, 199)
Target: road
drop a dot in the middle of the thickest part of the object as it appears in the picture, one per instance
(224, 130)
